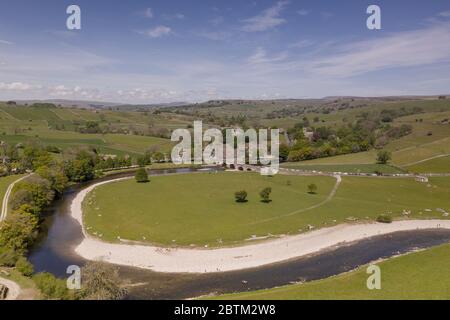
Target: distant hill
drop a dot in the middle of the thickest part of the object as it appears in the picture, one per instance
(99, 104)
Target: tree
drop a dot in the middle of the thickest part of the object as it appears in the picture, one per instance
(101, 281)
(24, 267)
(241, 196)
(55, 175)
(265, 194)
(35, 191)
(312, 188)
(141, 175)
(19, 230)
(383, 156)
(79, 170)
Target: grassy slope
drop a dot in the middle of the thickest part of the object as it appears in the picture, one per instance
(437, 165)
(20, 124)
(415, 147)
(199, 208)
(420, 275)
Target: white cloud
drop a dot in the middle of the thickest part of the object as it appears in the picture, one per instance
(5, 42)
(266, 20)
(16, 86)
(157, 32)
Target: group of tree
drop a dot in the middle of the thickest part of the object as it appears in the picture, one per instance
(368, 131)
(241, 196)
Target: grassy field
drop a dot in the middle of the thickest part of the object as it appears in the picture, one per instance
(420, 275)
(199, 209)
(350, 168)
(196, 208)
(436, 165)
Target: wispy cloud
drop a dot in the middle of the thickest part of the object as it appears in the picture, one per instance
(326, 15)
(217, 20)
(214, 35)
(267, 19)
(5, 42)
(148, 13)
(303, 12)
(17, 86)
(403, 49)
(445, 14)
(178, 16)
(301, 44)
(157, 32)
(260, 56)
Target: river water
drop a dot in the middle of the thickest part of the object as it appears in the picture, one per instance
(55, 252)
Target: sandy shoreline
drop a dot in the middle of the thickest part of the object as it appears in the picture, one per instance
(184, 260)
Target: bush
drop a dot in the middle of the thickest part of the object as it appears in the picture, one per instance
(51, 287)
(8, 257)
(241, 196)
(265, 194)
(141, 175)
(24, 267)
(384, 218)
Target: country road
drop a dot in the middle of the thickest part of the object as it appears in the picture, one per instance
(4, 211)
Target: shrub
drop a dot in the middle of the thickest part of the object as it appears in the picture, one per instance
(24, 267)
(265, 194)
(312, 188)
(8, 257)
(384, 218)
(141, 175)
(241, 196)
(51, 287)
(101, 281)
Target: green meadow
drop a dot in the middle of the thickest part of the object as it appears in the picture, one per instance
(419, 275)
(199, 209)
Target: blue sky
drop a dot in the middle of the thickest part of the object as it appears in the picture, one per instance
(162, 51)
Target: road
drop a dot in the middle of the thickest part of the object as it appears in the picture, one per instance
(5, 202)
